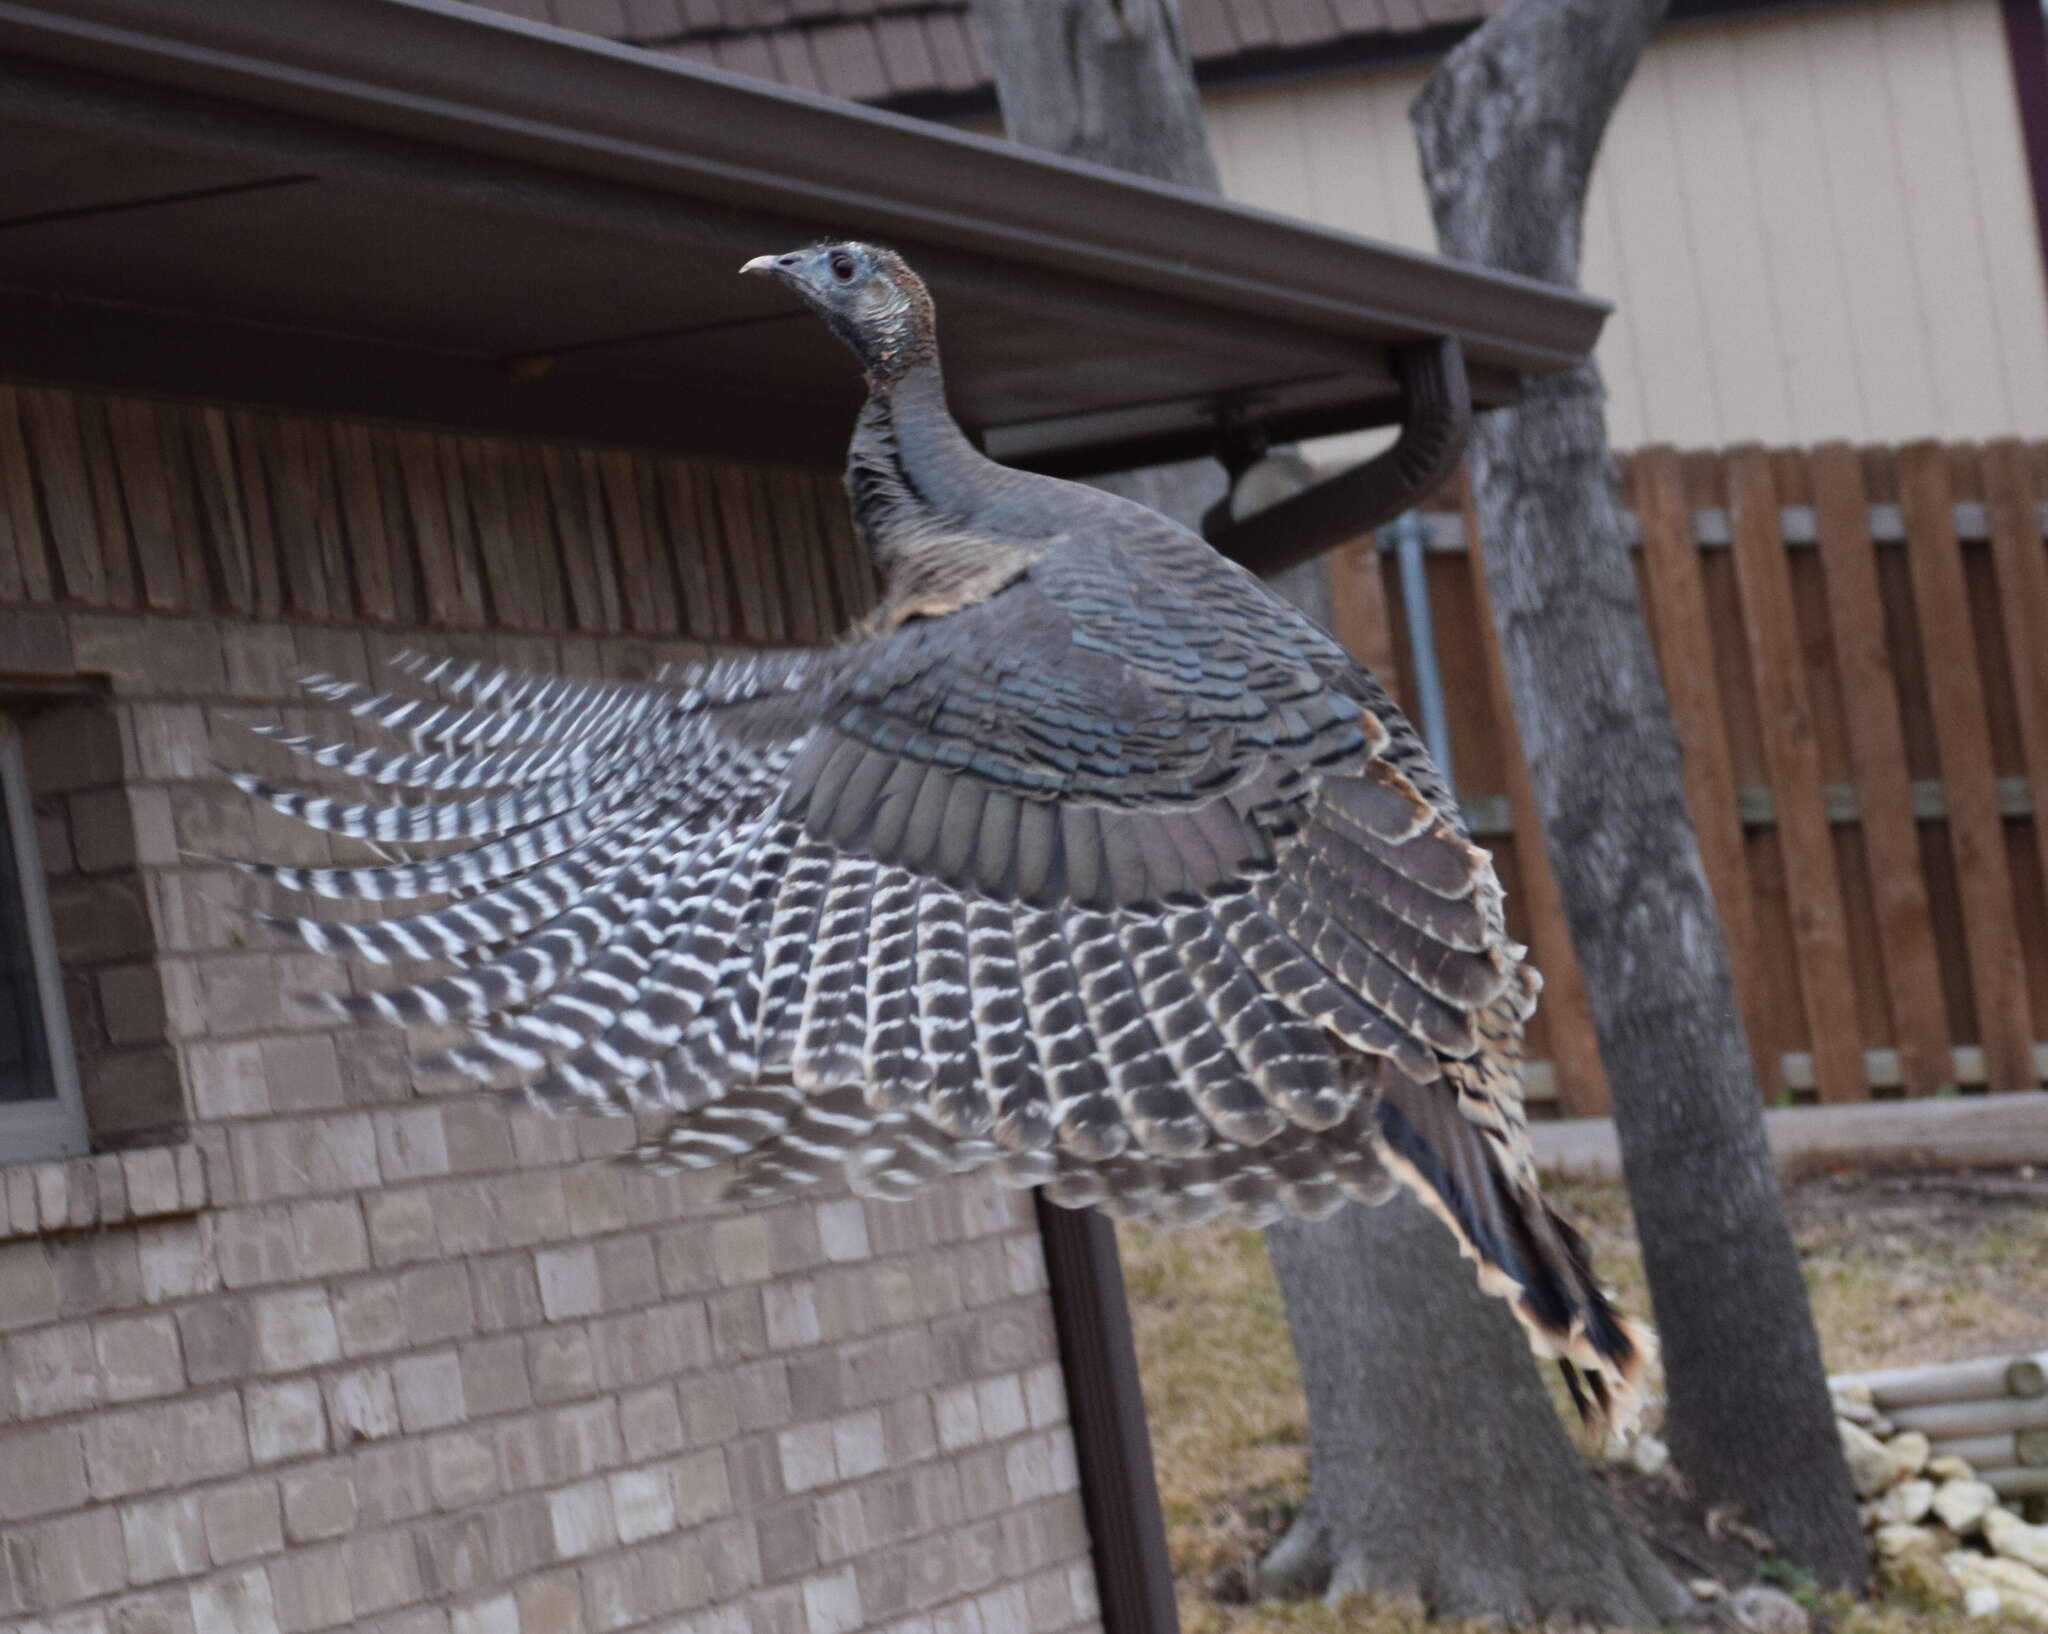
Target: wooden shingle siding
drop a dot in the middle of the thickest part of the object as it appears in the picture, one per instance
(179, 508)
(1814, 224)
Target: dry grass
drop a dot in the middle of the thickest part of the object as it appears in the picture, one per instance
(1909, 1269)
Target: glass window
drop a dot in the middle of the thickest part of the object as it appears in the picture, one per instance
(40, 1115)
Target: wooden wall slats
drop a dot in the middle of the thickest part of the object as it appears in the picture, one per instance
(695, 600)
(252, 484)
(117, 551)
(24, 553)
(463, 552)
(66, 489)
(743, 550)
(362, 520)
(1581, 1075)
(514, 600)
(1877, 745)
(1819, 923)
(1963, 743)
(144, 483)
(2013, 496)
(210, 442)
(643, 577)
(1677, 608)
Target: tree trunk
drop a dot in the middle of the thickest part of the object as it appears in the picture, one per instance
(1440, 1468)
(1508, 126)
(1421, 1391)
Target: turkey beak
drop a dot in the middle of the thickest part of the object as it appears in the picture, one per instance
(783, 268)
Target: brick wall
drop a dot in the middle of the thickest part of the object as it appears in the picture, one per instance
(332, 1347)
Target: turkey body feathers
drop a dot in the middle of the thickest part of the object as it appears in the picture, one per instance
(1085, 862)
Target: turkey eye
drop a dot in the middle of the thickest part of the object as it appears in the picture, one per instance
(842, 267)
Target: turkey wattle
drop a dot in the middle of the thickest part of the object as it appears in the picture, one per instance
(1083, 860)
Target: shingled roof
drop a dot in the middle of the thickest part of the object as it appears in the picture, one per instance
(925, 56)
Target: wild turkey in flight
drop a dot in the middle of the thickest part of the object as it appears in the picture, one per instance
(1083, 860)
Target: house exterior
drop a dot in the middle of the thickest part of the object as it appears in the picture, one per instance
(336, 330)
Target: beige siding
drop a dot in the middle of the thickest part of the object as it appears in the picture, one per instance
(1813, 225)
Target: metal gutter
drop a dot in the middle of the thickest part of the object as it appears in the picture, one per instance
(443, 73)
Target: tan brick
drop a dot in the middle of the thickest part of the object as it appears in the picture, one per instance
(466, 1218)
(843, 1230)
(763, 1392)
(411, 1142)
(683, 1253)
(807, 1457)
(462, 1469)
(386, 1570)
(227, 1080)
(526, 1452)
(28, 1286)
(168, 1611)
(23, 1217)
(497, 1615)
(437, 1303)
(507, 1293)
(401, 1225)
(164, 1539)
(560, 1363)
(368, 1317)
(139, 1357)
(732, 1557)
(41, 1471)
(429, 1391)
(551, 1605)
(626, 1274)
(814, 1385)
(478, 1135)
(494, 1375)
(255, 1245)
(787, 1534)
(596, 1198)
(710, 1409)
(330, 1237)
(391, 1484)
(455, 1554)
(544, 1142)
(132, 1000)
(313, 1589)
(217, 1340)
(53, 1370)
(739, 1329)
(568, 1282)
(582, 1518)
(361, 1406)
(643, 1504)
(77, 1557)
(741, 1249)
(243, 1522)
(294, 1330)
(584, 1438)
(841, 1528)
(285, 1421)
(650, 1422)
(238, 1604)
(303, 1072)
(318, 1503)
(703, 1490)
(531, 1207)
(152, 1173)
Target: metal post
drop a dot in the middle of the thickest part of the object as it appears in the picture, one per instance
(1408, 536)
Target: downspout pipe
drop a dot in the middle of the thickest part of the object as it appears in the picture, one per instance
(1436, 417)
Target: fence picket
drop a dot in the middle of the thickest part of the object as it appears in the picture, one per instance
(2021, 563)
(1963, 745)
(1877, 747)
(1819, 924)
(1678, 616)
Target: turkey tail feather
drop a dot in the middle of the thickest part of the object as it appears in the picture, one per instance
(1526, 1251)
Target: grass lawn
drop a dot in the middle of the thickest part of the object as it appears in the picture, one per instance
(1918, 1268)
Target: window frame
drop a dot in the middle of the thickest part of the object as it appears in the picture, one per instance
(54, 1128)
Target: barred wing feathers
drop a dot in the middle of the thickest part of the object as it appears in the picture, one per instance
(1123, 882)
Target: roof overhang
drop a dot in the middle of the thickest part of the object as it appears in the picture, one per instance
(416, 209)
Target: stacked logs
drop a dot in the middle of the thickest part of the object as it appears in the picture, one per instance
(1943, 1457)
(1992, 1413)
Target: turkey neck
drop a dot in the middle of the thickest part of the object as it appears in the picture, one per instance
(921, 495)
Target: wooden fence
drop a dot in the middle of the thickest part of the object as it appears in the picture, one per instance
(1855, 646)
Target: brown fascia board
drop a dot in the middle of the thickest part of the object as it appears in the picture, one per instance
(449, 75)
